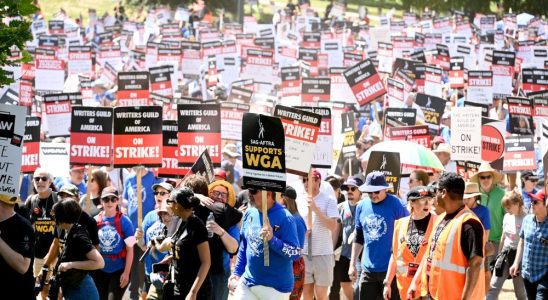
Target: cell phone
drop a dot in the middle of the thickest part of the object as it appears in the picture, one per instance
(157, 268)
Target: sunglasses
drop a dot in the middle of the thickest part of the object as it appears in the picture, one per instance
(169, 201)
(532, 179)
(109, 199)
(43, 178)
(219, 194)
(375, 193)
(253, 192)
(352, 188)
(162, 193)
(486, 177)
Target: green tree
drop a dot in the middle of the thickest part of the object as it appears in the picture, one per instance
(14, 32)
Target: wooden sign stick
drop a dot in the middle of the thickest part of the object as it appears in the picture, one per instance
(139, 197)
(88, 193)
(309, 218)
(264, 205)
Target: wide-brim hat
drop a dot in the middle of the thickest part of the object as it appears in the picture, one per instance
(471, 190)
(374, 182)
(231, 199)
(231, 150)
(443, 147)
(486, 168)
(8, 199)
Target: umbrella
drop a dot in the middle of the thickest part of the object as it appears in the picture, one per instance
(412, 155)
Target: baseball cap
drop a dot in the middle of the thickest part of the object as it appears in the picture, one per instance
(316, 174)
(290, 192)
(168, 187)
(70, 190)
(109, 191)
(220, 173)
(351, 181)
(528, 175)
(419, 192)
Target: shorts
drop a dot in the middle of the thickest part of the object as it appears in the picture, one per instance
(319, 270)
(341, 269)
(37, 267)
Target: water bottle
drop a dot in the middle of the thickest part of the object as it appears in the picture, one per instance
(210, 218)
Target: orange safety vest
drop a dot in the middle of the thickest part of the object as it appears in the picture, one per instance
(447, 273)
(403, 257)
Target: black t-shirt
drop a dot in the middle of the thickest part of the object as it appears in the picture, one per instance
(186, 260)
(77, 246)
(18, 234)
(89, 224)
(471, 240)
(226, 216)
(43, 222)
(415, 234)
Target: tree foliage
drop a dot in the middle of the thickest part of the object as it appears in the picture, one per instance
(14, 32)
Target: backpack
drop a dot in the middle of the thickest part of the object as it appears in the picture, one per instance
(34, 201)
(118, 225)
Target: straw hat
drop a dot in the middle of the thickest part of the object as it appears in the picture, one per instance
(8, 199)
(443, 147)
(471, 190)
(486, 168)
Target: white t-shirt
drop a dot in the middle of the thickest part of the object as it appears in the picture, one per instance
(511, 226)
(322, 241)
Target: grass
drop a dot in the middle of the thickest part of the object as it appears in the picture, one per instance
(75, 8)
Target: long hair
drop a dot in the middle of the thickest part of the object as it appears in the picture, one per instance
(101, 177)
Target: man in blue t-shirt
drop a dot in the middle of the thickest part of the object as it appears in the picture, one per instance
(375, 219)
(258, 281)
(76, 178)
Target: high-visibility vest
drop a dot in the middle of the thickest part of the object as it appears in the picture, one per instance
(403, 256)
(447, 274)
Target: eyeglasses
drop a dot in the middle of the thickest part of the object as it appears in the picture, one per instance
(169, 201)
(532, 179)
(423, 200)
(219, 194)
(162, 193)
(352, 188)
(43, 178)
(305, 180)
(486, 177)
(375, 193)
(109, 199)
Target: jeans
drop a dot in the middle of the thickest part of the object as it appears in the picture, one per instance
(108, 284)
(537, 290)
(498, 282)
(371, 286)
(85, 291)
(219, 285)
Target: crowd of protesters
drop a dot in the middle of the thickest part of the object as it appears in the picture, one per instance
(442, 236)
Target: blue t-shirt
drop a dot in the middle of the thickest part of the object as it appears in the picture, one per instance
(527, 199)
(483, 215)
(152, 226)
(130, 194)
(111, 243)
(301, 229)
(61, 181)
(374, 229)
(283, 248)
(234, 232)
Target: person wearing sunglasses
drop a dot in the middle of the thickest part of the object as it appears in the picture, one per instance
(374, 227)
(532, 255)
(347, 214)
(409, 241)
(116, 241)
(491, 197)
(529, 182)
(38, 207)
(152, 227)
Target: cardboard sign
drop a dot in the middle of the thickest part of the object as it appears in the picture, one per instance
(133, 89)
(79, 60)
(301, 133)
(263, 146)
(540, 113)
(433, 81)
(49, 75)
(291, 81)
(231, 120)
(323, 154)
(30, 159)
(170, 153)
(466, 133)
(480, 87)
(339, 87)
(10, 97)
(389, 164)
(520, 153)
(456, 73)
(239, 95)
(521, 115)
(396, 92)
(503, 73)
(55, 156)
(365, 82)
(399, 116)
(492, 142)
(199, 129)
(467, 169)
(534, 80)
(204, 167)
(433, 108)
(58, 109)
(12, 129)
(138, 136)
(160, 80)
(417, 134)
(484, 107)
(315, 90)
(91, 136)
